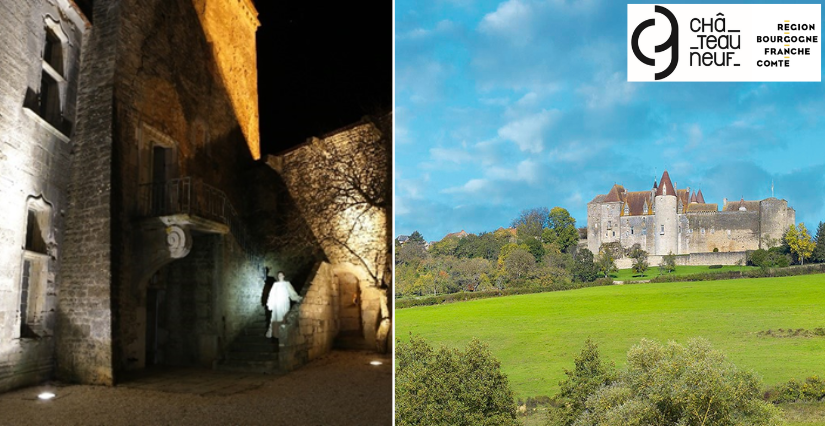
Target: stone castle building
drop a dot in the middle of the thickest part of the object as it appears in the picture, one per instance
(136, 213)
(667, 219)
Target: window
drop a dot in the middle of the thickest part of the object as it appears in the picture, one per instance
(631, 231)
(644, 231)
(49, 101)
(662, 232)
(37, 252)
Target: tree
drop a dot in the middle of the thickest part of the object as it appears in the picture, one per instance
(590, 374)
(342, 186)
(561, 230)
(584, 269)
(411, 253)
(799, 241)
(606, 263)
(451, 386)
(679, 385)
(416, 237)
(819, 250)
(639, 257)
(668, 263)
(518, 264)
(530, 223)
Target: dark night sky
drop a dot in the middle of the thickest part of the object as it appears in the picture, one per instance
(321, 66)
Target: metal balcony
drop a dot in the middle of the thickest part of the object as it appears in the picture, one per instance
(191, 197)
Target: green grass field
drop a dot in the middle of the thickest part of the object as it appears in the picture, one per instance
(653, 271)
(536, 336)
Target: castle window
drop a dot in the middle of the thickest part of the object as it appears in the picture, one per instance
(631, 231)
(644, 231)
(609, 225)
(662, 232)
(49, 102)
(703, 231)
(626, 210)
(34, 270)
(712, 230)
(614, 233)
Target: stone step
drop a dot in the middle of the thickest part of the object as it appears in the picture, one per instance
(249, 366)
(262, 346)
(253, 356)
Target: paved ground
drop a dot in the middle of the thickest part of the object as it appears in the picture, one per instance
(339, 389)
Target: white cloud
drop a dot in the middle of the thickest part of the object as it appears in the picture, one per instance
(450, 155)
(512, 19)
(473, 186)
(441, 27)
(528, 132)
(607, 90)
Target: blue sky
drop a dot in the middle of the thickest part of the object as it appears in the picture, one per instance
(504, 106)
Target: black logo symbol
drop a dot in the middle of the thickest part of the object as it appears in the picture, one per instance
(672, 43)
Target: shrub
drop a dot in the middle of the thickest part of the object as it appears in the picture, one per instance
(715, 267)
(451, 386)
(678, 385)
(810, 390)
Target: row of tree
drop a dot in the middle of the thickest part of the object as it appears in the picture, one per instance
(540, 249)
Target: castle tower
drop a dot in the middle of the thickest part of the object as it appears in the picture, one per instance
(666, 220)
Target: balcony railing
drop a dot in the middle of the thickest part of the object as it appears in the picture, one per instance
(191, 197)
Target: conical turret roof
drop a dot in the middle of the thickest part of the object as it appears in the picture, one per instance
(665, 186)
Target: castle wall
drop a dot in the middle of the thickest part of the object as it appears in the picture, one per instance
(775, 217)
(606, 225)
(637, 230)
(84, 320)
(311, 327)
(725, 231)
(34, 175)
(172, 96)
(692, 259)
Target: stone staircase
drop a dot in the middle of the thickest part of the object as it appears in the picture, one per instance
(251, 351)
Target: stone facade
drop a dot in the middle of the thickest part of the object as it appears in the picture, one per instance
(132, 196)
(43, 42)
(666, 220)
(340, 183)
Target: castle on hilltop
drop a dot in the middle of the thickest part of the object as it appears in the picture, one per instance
(666, 219)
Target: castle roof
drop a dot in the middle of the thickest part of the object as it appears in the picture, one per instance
(683, 195)
(751, 206)
(693, 197)
(665, 186)
(599, 198)
(701, 207)
(616, 194)
(636, 202)
(699, 197)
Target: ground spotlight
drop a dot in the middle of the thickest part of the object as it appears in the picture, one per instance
(376, 362)
(46, 396)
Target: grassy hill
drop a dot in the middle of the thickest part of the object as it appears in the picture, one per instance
(536, 336)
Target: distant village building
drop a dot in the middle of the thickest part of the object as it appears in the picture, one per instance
(666, 219)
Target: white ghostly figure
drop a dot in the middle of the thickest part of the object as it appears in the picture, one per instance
(278, 302)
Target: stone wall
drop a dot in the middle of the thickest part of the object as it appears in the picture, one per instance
(84, 327)
(725, 231)
(34, 174)
(312, 325)
(172, 95)
(692, 259)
